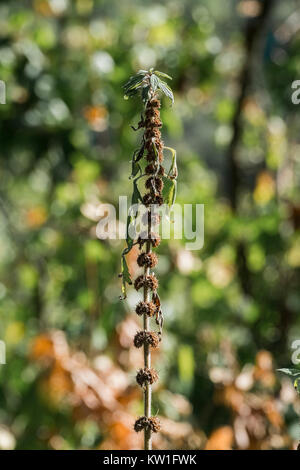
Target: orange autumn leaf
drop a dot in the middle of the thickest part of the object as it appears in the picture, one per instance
(220, 439)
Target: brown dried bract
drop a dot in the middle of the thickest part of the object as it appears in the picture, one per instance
(153, 237)
(139, 282)
(155, 424)
(152, 219)
(146, 376)
(151, 282)
(151, 169)
(155, 184)
(143, 422)
(147, 259)
(145, 308)
(146, 337)
(154, 103)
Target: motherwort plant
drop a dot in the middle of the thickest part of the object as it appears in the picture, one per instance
(160, 189)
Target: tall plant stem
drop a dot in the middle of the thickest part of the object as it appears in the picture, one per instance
(148, 83)
(147, 363)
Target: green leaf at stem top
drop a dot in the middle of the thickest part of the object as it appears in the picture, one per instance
(146, 81)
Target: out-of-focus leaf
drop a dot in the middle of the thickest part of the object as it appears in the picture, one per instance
(162, 74)
(169, 191)
(164, 87)
(290, 372)
(154, 82)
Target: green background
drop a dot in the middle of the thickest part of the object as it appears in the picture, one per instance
(231, 309)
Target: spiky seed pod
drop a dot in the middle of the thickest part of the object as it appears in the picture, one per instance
(151, 169)
(154, 103)
(147, 259)
(153, 122)
(149, 218)
(154, 238)
(155, 184)
(146, 376)
(146, 281)
(139, 282)
(159, 200)
(146, 337)
(155, 424)
(151, 157)
(151, 423)
(151, 282)
(148, 199)
(141, 423)
(145, 308)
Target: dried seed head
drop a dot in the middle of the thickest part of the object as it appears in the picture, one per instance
(155, 424)
(153, 237)
(146, 337)
(152, 133)
(139, 282)
(153, 122)
(161, 171)
(154, 103)
(159, 200)
(147, 259)
(152, 168)
(154, 183)
(150, 157)
(152, 113)
(143, 422)
(151, 282)
(146, 376)
(145, 308)
(148, 199)
(153, 219)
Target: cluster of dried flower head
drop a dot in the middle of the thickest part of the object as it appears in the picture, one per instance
(149, 308)
(148, 83)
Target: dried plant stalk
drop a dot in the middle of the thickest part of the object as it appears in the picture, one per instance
(149, 83)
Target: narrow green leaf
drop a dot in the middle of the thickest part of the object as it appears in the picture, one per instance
(136, 196)
(125, 271)
(156, 155)
(132, 81)
(173, 172)
(135, 169)
(169, 191)
(132, 89)
(154, 82)
(164, 87)
(125, 274)
(145, 93)
(290, 372)
(163, 75)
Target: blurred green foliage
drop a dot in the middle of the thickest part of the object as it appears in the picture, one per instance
(66, 144)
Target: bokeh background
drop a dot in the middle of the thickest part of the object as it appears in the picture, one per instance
(231, 309)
